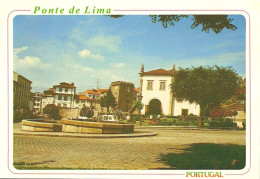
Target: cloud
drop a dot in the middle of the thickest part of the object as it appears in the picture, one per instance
(19, 50)
(109, 42)
(117, 65)
(28, 61)
(87, 54)
(31, 62)
(82, 68)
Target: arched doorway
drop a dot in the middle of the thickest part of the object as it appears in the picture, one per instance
(155, 107)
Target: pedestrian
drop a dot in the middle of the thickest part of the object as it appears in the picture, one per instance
(151, 117)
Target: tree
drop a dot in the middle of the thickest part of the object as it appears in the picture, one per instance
(205, 86)
(216, 23)
(137, 105)
(108, 100)
(52, 110)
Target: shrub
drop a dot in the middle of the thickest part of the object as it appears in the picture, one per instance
(165, 123)
(52, 110)
(222, 122)
(182, 123)
(136, 117)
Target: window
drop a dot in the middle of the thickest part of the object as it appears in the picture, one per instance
(60, 89)
(65, 98)
(64, 105)
(149, 85)
(66, 89)
(77, 101)
(59, 105)
(59, 97)
(162, 85)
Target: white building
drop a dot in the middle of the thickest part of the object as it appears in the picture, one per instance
(47, 99)
(157, 96)
(37, 102)
(64, 95)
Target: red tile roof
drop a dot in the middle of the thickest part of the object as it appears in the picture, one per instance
(93, 92)
(97, 92)
(103, 90)
(159, 72)
(81, 97)
(136, 90)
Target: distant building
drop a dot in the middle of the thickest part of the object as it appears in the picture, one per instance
(80, 101)
(157, 96)
(64, 95)
(21, 91)
(124, 93)
(37, 102)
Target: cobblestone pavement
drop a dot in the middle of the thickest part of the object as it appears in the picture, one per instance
(113, 153)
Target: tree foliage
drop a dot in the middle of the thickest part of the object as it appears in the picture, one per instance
(108, 100)
(205, 85)
(52, 110)
(216, 23)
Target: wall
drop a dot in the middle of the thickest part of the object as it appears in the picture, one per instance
(163, 96)
(178, 106)
(69, 112)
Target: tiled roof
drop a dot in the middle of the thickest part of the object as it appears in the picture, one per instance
(97, 92)
(136, 90)
(65, 85)
(103, 90)
(93, 92)
(159, 72)
(81, 97)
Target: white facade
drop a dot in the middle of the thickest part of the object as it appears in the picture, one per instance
(64, 95)
(46, 100)
(155, 93)
(37, 102)
(178, 107)
(156, 87)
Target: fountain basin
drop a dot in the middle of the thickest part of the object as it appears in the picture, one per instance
(75, 126)
(41, 125)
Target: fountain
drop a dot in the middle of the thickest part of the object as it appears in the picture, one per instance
(87, 123)
(41, 125)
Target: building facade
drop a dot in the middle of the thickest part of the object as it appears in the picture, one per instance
(64, 95)
(124, 93)
(37, 102)
(21, 91)
(157, 96)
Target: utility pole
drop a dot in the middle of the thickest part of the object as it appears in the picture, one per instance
(97, 84)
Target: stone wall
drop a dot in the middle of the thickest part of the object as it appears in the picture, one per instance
(69, 112)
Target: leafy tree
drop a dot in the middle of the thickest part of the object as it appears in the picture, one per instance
(52, 110)
(205, 86)
(216, 23)
(108, 100)
(137, 105)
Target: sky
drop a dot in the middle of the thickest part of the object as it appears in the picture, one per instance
(85, 49)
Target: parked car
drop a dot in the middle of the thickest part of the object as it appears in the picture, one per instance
(111, 118)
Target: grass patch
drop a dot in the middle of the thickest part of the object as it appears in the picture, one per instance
(207, 156)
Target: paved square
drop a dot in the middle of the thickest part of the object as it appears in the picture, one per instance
(114, 153)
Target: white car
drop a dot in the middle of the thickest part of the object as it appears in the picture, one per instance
(107, 118)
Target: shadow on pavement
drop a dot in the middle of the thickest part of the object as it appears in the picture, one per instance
(207, 156)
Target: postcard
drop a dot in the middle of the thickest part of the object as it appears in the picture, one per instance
(123, 90)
